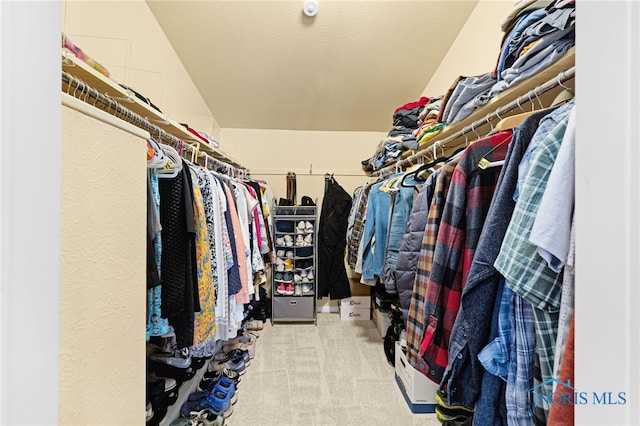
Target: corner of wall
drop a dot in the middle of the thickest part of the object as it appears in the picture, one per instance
(476, 48)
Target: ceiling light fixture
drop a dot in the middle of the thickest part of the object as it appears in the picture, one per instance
(310, 8)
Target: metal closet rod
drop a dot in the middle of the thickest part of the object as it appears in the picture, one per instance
(538, 90)
(125, 114)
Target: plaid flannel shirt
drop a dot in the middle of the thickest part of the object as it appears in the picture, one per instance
(464, 213)
(415, 319)
(525, 271)
(360, 207)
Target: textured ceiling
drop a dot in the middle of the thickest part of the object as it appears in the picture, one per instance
(265, 65)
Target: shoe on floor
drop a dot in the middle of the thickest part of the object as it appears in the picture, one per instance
(223, 385)
(219, 402)
(236, 364)
(254, 325)
(175, 360)
(149, 413)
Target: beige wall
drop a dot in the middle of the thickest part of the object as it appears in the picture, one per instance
(103, 292)
(475, 51)
(270, 154)
(125, 37)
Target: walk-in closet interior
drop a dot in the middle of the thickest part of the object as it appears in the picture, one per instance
(324, 212)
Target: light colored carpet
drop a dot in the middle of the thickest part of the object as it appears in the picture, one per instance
(334, 373)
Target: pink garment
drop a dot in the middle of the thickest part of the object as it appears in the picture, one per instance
(256, 219)
(242, 296)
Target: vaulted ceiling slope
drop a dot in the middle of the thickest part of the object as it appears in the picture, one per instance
(265, 65)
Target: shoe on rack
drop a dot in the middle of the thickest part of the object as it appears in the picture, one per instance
(290, 290)
(303, 273)
(288, 265)
(287, 277)
(308, 227)
(300, 228)
(308, 240)
(306, 287)
(299, 241)
(310, 274)
(288, 241)
(280, 253)
(298, 289)
(289, 254)
(281, 289)
(280, 241)
(305, 280)
(297, 278)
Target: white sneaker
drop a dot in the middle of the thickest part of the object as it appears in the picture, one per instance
(306, 287)
(300, 241)
(308, 227)
(308, 240)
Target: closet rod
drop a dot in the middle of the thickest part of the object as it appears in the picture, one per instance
(82, 91)
(563, 76)
(114, 108)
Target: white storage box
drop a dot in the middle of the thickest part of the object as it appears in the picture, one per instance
(355, 308)
(356, 302)
(418, 391)
(349, 313)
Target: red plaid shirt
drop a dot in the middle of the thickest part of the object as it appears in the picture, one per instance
(464, 214)
(415, 320)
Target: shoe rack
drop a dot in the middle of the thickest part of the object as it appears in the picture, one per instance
(294, 274)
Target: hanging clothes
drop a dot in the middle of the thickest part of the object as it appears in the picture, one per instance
(204, 322)
(416, 315)
(407, 262)
(156, 324)
(465, 377)
(463, 216)
(180, 298)
(332, 275)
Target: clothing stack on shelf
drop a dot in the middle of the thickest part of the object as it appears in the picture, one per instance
(536, 35)
(208, 244)
(410, 125)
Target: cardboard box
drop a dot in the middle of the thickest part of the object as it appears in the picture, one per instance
(349, 313)
(418, 391)
(359, 289)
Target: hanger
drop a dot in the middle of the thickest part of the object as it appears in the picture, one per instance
(427, 166)
(173, 166)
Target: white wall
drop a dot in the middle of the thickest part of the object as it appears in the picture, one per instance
(29, 211)
(475, 51)
(125, 37)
